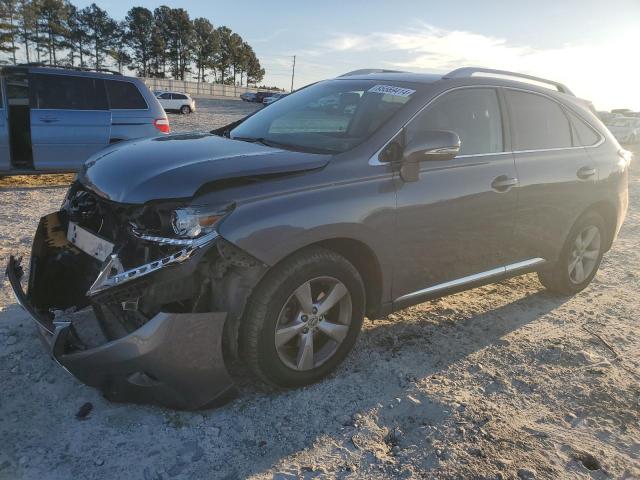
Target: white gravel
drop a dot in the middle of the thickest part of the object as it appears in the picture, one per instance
(504, 381)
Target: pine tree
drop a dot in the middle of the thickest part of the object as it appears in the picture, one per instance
(8, 27)
(140, 28)
(205, 46)
(100, 28)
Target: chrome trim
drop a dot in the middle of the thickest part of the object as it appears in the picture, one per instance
(524, 264)
(494, 272)
(165, 240)
(373, 160)
(436, 152)
(107, 279)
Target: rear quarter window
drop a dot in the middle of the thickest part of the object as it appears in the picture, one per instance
(124, 96)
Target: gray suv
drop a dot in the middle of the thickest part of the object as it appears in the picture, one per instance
(272, 238)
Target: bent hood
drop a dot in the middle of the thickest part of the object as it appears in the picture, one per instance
(176, 166)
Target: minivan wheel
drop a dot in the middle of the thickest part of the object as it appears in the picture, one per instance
(185, 109)
(580, 257)
(303, 318)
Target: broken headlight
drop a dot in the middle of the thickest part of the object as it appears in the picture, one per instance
(193, 222)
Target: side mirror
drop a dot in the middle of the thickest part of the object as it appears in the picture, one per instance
(430, 145)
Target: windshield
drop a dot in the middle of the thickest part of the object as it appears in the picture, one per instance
(328, 117)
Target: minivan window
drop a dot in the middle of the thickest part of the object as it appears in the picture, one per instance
(586, 136)
(124, 96)
(472, 113)
(67, 92)
(538, 122)
(328, 117)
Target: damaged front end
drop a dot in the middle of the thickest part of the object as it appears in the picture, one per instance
(139, 316)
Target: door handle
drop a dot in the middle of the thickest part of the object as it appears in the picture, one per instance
(49, 119)
(503, 183)
(586, 172)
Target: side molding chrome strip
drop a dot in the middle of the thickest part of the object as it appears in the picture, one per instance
(494, 272)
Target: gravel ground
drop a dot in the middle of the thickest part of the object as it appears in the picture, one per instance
(504, 381)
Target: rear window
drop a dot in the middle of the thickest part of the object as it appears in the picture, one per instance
(538, 122)
(124, 96)
(179, 96)
(66, 92)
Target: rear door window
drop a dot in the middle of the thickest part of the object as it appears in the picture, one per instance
(165, 96)
(179, 96)
(124, 96)
(539, 123)
(473, 113)
(67, 92)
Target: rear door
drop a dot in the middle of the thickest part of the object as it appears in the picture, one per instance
(557, 176)
(5, 153)
(70, 120)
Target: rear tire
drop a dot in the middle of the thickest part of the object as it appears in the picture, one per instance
(286, 314)
(580, 257)
(185, 109)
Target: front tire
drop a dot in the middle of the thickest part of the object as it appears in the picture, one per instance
(580, 258)
(303, 319)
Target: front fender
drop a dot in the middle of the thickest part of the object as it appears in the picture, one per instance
(271, 229)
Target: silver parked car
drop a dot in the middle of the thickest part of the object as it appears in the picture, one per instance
(274, 98)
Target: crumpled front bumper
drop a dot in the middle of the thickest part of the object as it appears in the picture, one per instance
(173, 360)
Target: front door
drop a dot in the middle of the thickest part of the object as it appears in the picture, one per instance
(457, 220)
(70, 120)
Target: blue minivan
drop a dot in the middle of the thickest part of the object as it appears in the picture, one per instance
(52, 119)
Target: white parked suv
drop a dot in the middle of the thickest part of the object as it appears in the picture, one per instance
(176, 102)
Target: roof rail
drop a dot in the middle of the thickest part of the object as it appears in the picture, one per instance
(66, 67)
(367, 71)
(467, 72)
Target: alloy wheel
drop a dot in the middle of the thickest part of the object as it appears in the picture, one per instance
(584, 255)
(313, 323)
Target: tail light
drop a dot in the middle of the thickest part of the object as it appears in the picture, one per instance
(162, 124)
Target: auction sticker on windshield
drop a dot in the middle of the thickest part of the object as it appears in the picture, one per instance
(391, 90)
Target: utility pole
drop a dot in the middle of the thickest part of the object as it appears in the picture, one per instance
(293, 72)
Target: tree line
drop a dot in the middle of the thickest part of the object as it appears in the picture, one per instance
(161, 43)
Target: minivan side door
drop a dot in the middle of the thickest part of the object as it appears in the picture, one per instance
(457, 220)
(557, 175)
(70, 120)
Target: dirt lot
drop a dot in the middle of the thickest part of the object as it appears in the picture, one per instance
(505, 381)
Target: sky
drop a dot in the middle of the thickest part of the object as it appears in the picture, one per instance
(590, 45)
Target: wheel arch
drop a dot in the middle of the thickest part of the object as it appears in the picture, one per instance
(366, 262)
(609, 214)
